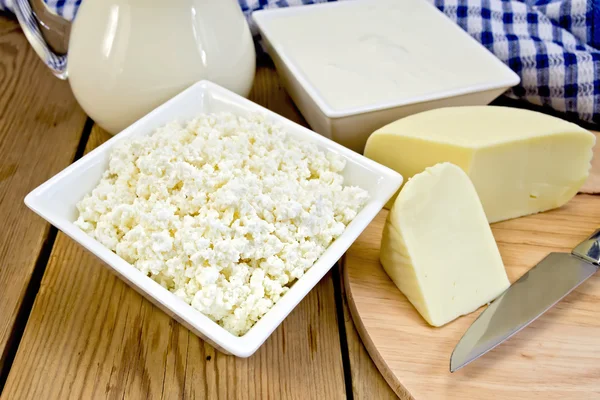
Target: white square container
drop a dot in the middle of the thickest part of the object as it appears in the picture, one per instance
(56, 200)
(354, 66)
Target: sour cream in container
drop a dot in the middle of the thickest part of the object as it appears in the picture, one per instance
(354, 66)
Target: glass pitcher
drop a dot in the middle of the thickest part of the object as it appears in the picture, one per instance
(126, 57)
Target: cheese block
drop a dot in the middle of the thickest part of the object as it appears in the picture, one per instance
(521, 162)
(438, 248)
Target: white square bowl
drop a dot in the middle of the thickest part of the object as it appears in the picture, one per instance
(409, 41)
(56, 199)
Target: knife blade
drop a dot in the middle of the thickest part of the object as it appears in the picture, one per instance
(524, 301)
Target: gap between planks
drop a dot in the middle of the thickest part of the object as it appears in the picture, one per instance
(38, 137)
(33, 286)
(339, 304)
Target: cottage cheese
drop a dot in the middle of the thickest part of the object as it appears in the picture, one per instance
(226, 212)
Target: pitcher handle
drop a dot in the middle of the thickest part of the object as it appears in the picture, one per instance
(31, 28)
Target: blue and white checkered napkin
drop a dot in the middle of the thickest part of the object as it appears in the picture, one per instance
(554, 45)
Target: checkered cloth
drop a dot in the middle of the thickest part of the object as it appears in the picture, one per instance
(554, 45)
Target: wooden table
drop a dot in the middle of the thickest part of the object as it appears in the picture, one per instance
(71, 329)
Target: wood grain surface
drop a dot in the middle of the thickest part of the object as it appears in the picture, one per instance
(40, 128)
(556, 357)
(367, 381)
(91, 336)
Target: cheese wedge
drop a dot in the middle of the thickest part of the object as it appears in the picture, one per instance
(521, 162)
(438, 248)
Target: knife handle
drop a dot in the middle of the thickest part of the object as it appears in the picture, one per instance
(589, 249)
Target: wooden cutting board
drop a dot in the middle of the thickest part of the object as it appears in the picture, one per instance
(556, 357)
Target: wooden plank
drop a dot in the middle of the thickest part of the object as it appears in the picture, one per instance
(40, 129)
(367, 381)
(90, 336)
(8, 23)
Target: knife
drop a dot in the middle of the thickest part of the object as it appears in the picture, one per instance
(525, 300)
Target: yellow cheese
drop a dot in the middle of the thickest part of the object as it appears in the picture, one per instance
(521, 162)
(438, 248)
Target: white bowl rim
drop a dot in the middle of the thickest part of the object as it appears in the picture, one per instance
(241, 346)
